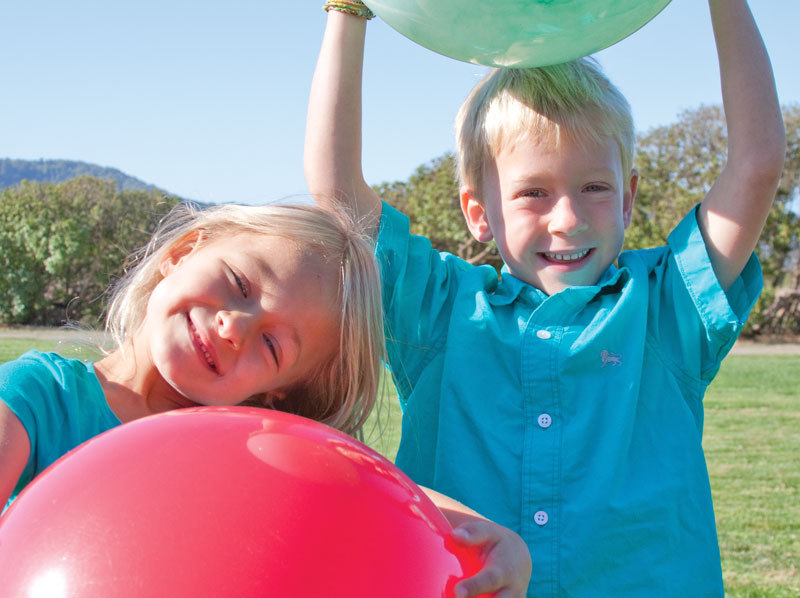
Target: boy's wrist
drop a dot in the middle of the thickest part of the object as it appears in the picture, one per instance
(355, 8)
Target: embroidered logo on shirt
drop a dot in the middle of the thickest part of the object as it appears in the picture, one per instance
(610, 358)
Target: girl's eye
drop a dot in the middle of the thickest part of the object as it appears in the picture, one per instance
(241, 284)
(271, 347)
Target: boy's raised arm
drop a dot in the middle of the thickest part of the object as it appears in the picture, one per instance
(733, 213)
(332, 155)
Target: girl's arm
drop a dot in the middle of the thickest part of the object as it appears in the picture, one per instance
(332, 154)
(733, 213)
(15, 448)
(507, 561)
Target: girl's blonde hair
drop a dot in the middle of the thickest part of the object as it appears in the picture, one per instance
(574, 98)
(343, 391)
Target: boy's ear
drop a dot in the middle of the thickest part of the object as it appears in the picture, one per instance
(629, 196)
(179, 251)
(475, 215)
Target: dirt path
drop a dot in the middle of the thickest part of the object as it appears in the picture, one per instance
(742, 347)
(55, 334)
(748, 347)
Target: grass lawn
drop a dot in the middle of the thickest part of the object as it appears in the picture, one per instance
(11, 348)
(752, 444)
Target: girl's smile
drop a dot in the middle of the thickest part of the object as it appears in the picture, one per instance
(204, 351)
(240, 316)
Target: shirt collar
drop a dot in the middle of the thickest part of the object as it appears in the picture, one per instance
(510, 287)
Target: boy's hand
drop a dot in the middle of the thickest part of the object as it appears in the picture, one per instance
(507, 568)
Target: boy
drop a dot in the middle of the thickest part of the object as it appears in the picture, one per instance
(564, 400)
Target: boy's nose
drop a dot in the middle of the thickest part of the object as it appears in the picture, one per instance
(565, 219)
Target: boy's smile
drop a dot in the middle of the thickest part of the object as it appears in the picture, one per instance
(558, 213)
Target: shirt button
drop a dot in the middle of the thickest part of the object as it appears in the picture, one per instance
(543, 334)
(540, 517)
(545, 420)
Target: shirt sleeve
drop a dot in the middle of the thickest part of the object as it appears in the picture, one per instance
(419, 285)
(692, 287)
(24, 388)
(59, 402)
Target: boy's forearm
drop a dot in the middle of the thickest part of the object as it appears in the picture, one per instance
(332, 155)
(455, 512)
(752, 110)
(735, 209)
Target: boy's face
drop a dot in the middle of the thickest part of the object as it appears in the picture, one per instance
(558, 215)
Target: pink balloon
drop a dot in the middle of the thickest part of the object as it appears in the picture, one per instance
(226, 502)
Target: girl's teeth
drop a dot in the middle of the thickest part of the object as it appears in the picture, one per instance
(206, 354)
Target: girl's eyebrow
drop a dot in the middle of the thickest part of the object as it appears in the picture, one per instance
(265, 274)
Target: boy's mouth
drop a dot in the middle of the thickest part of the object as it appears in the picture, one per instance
(565, 257)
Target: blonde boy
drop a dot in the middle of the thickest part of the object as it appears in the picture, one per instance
(564, 398)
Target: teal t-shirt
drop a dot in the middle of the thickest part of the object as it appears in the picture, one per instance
(574, 419)
(60, 403)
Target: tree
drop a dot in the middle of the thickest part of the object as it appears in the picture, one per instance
(430, 197)
(61, 245)
(677, 165)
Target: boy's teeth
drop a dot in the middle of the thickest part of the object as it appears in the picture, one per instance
(566, 257)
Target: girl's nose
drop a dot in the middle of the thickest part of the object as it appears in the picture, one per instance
(565, 218)
(231, 326)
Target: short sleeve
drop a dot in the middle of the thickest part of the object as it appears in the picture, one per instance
(419, 284)
(722, 314)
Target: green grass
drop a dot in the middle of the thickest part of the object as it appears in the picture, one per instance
(752, 444)
(382, 430)
(11, 348)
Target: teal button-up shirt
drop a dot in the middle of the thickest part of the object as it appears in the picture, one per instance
(575, 419)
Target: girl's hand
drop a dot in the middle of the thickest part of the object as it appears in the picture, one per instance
(507, 562)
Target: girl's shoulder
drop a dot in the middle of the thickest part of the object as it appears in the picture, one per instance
(36, 366)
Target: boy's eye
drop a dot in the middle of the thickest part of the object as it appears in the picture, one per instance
(596, 187)
(534, 193)
(271, 347)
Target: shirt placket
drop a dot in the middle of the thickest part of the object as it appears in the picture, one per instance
(541, 467)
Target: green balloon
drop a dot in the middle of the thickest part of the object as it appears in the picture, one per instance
(516, 33)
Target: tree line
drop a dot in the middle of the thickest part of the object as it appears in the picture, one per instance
(677, 165)
(62, 244)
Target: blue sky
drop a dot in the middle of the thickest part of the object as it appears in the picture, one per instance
(208, 100)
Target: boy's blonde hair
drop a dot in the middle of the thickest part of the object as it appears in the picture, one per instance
(343, 392)
(574, 98)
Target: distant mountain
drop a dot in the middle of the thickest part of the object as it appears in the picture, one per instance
(12, 172)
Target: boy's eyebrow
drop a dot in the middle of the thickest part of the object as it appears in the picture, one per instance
(544, 175)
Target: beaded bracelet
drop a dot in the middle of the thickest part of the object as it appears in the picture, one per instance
(350, 7)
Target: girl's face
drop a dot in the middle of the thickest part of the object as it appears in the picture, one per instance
(240, 316)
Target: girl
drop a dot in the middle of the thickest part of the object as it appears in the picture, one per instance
(276, 306)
